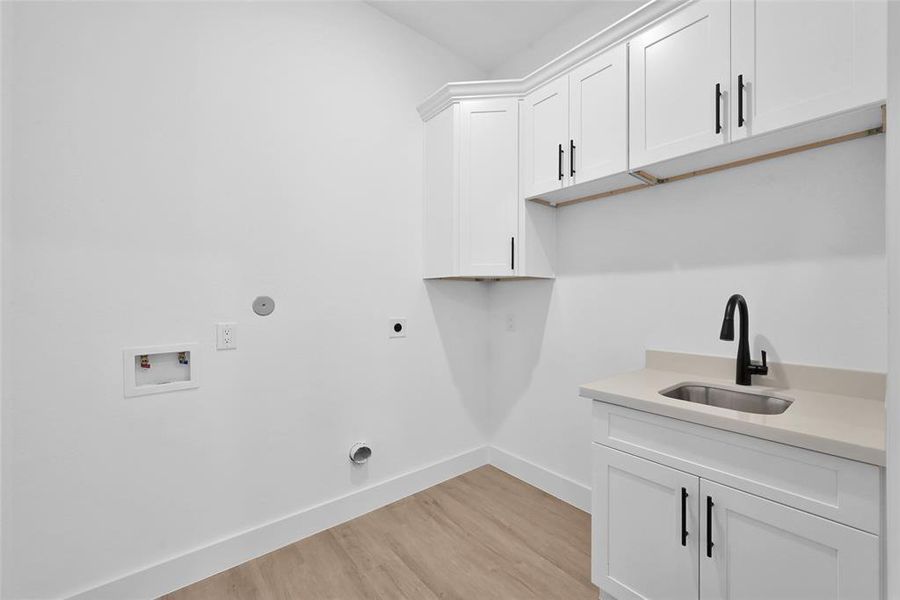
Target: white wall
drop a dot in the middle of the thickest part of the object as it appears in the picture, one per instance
(892, 220)
(3, 194)
(801, 237)
(172, 161)
(584, 25)
(169, 163)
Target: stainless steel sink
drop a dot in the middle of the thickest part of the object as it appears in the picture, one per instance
(725, 398)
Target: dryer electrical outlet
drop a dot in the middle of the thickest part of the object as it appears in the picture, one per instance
(397, 328)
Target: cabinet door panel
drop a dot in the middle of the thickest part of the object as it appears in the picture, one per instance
(598, 116)
(488, 186)
(637, 551)
(762, 549)
(674, 68)
(803, 60)
(545, 123)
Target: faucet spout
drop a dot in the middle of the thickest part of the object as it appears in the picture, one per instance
(740, 303)
(744, 366)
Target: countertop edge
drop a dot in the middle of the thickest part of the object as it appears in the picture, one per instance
(830, 446)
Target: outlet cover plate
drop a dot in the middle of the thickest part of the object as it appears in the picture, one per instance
(397, 328)
(226, 336)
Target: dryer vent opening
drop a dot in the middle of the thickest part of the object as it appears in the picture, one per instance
(360, 453)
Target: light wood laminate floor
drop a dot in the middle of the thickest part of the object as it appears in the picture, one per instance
(481, 535)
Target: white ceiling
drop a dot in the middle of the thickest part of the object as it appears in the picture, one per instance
(486, 32)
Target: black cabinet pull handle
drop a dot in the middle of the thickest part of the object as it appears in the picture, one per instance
(559, 162)
(709, 542)
(740, 100)
(571, 158)
(718, 108)
(684, 531)
(512, 253)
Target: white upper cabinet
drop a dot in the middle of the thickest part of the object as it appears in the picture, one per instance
(475, 221)
(679, 80)
(488, 193)
(598, 117)
(795, 61)
(757, 548)
(675, 90)
(545, 138)
(575, 128)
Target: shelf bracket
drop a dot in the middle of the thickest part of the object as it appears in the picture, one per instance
(646, 177)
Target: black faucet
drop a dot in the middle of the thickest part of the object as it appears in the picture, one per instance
(745, 367)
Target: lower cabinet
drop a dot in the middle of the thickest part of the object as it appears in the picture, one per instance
(756, 548)
(661, 533)
(645, 523)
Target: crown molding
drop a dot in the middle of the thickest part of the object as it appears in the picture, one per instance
(616, 33)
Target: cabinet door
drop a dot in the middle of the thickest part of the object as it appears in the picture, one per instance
(640, 513)
(545, 138)
(488, 195)
(675, 67)
(598, 117)
(762, 549)
(803, 60)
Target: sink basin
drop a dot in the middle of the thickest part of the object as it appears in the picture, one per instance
(748, 402)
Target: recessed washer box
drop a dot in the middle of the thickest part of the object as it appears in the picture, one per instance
(160, 369)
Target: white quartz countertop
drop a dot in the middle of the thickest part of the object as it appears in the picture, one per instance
(842, 415)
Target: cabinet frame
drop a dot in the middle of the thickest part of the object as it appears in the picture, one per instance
(836, 488)
(734, 484)
(476, 228)
(698, 568)
(852, 112)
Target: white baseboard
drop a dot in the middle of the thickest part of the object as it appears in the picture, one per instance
(201, 563)
(204, 562)
(560, 486)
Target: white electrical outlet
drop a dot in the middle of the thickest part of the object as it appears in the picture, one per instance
(397, 328)
(226, 336)
(510, 322)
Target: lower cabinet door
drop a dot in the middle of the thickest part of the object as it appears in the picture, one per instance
(645, 528)
(756, 549)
